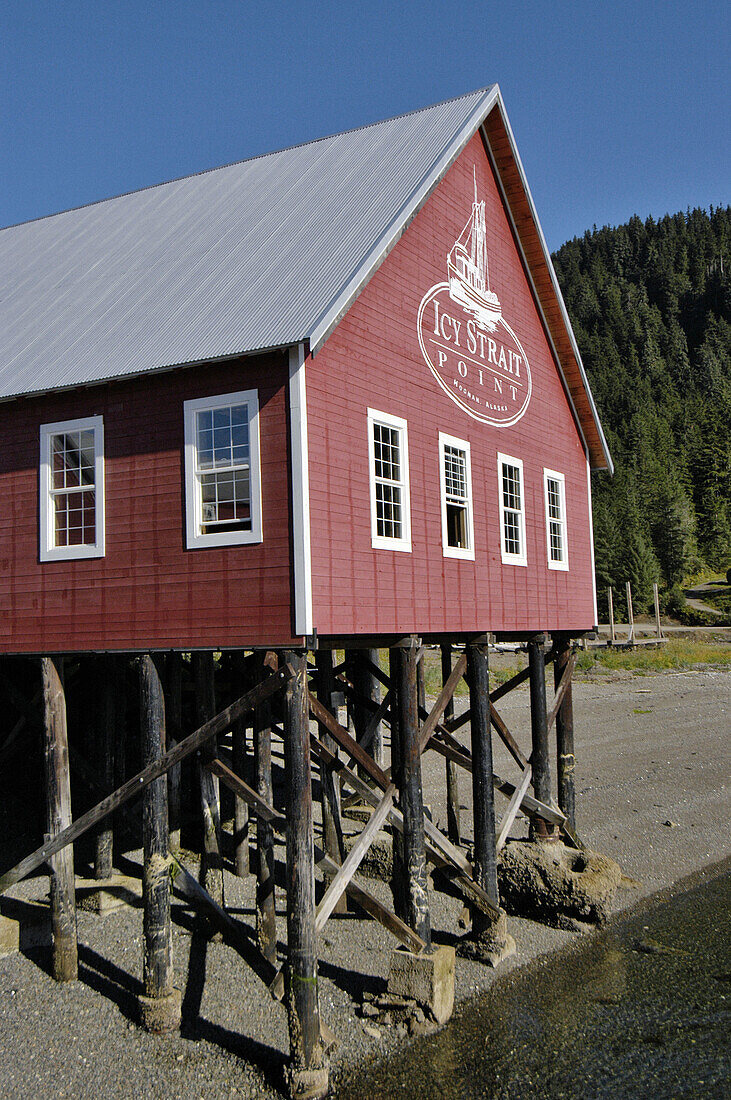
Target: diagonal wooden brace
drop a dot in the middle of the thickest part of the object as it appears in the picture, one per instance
(562, 689)
(135, 786)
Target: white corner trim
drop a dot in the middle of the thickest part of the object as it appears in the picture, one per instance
(591, 542)
(47, 550)
(303, 616)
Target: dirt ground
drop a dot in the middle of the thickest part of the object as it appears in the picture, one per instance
(653, 767)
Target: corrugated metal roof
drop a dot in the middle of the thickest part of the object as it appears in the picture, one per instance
(258, 254)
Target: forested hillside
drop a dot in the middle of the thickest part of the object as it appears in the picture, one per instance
(650, 303)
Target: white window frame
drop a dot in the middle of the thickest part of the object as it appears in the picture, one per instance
(467, 552)
(554, 475)
(380, 542)
(509, 558)
(47, 525)
(195, 539)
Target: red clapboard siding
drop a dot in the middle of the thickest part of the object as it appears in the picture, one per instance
(373, 359)
(148, 591)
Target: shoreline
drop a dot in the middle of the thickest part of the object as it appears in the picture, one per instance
(651, 750)
(589, 971)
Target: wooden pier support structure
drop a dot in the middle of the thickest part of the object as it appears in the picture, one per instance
(308, 1073)
(408, 780)
(566, 761)
(483, 798)
(266, 917)
(58, 817)
(108, 688)
(540, 760)
(453, 809)
(211, 858)
(160, 1002)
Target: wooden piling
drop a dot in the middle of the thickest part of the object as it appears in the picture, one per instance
(266, 919)
(367, 686)
(483, 800)
(58, 817)
(242, 768)
(453, 811)
(332, 832)
(540, 762)
(160, 1003)
(106, 668)
(408, 778)
(565, 735)
(398, 873)
(308, 1068)
(174, 723)
(211, 861)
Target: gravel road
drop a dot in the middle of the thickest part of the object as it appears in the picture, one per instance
(653, 766)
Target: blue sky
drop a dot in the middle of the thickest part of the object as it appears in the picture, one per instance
(617, 108)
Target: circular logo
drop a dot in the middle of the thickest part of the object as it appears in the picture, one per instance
(473, 352)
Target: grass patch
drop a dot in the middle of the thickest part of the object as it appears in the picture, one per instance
(677, 653)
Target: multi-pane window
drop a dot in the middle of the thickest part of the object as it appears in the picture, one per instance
(72, 489)
(223, 497)
(512, 510)
(456, 484)
(554, 485)
(389, 470)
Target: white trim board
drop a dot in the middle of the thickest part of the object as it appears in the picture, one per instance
(301, 534)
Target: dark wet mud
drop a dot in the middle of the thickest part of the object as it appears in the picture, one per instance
(640, 1010)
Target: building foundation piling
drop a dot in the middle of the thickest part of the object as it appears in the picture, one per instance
(308, 1072)
(540, 760)
(160, 1003)
(58, 816)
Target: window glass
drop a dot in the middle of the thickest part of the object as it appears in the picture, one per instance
(389, 482)
(457, 524)
(72, 521)
(512, 511)
(222, 470)
(555, 497)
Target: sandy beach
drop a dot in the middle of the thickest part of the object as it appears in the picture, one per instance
(653, 768)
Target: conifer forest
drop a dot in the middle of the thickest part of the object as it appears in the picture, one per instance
(650, 303)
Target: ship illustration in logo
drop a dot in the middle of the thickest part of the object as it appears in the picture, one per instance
(469, 277)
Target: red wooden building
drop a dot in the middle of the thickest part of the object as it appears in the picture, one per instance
(331, 390)
(325, 398)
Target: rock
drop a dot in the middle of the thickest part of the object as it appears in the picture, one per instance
(374, 1032)
(548, 881)
(369, 1011)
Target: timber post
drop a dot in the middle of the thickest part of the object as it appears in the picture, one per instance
(408, 777)
(308, 1072)
(174, 714)
(58, 817)
(242, 769)
(211, 862)
(106, 731)
(483, 799)
(540, 829)
(160, 1003)
(332, 832)
(453, 813)
(398, 873)
(266, 919)
(565, 735)
(367, 686)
